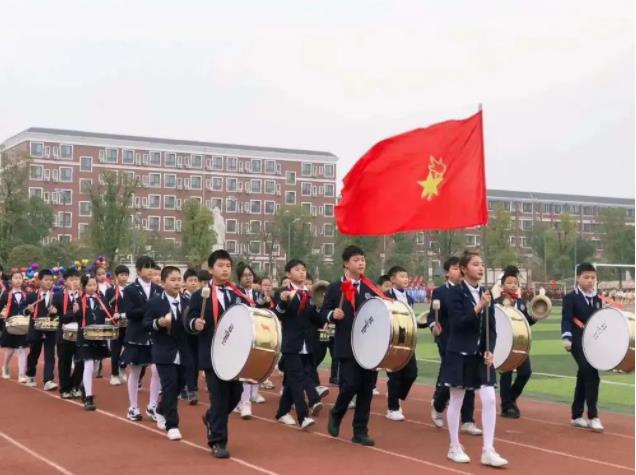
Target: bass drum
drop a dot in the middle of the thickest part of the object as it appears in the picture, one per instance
(608, 340)
(246, 344)
(513, 338)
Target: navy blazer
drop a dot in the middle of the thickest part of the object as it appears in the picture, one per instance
(166, 343)
(117, 305)
(409, 299)
(42, 311)
(576, 305)
(16, 309)
(94, 316)
(58, 301)
(135, 305)
(342, 340)
(193, 311)
(468, 330)
(441, 293)
(298, 327)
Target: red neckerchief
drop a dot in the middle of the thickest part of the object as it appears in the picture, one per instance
(85, 297)
(117, 299)
(40, 298)
(238, 292)
(350, 293)
(512, 296)
(304, 297)
(10, 300)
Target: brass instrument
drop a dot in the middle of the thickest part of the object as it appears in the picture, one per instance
(540, 306)
(318, 291)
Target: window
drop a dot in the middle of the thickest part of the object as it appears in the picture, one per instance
(306, 208)
(231, 205)
(217, 163)
(491, 204)
(255, 227)
(257, 165)
(270, 167)
(154, 201)
(195, 182)
(290, 178)
(82, 229)
(230, 246)
(217, 184)
(290, 197)
(64, 237)
(306, 169)
(37, 149)
(506, 205)
(305, 189)
(527, 207)
(217, 203)
(196, 161)
(327, 249)
(170, 161)
(230, 226)
(169, 201)
(154, 180)
(230, 184)
(524, 241)
(513, 240)
(328, 229)
(35, 192)
(329, 171)
(65, 220)
(155, 159)
(232, 164)
(168, 223)
(169, 180)
(66, 197)
(270, 207)
(525, 225)
(66, 174)
(111, 155)
(255, 206)
(329, 210)
(255, 247)
(256, 186)
(35, 172)
(85, 185)
(588, 211)
(154, 223)
(128, 157)
(86, 164)
(85, 208)
(270, 187)
(66, 151)
(329, 190)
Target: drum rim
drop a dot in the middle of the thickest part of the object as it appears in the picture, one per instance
(214, 339)
(625, 316)
(525, 323)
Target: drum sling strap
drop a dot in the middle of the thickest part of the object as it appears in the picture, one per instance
(101, 304)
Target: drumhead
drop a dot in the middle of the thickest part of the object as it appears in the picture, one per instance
(606, 338)
(232, 343)
(505, 337)
(371, 333)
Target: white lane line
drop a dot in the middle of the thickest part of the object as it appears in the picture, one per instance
(41, 458)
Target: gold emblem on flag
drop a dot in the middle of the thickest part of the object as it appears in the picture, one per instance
(430, 186)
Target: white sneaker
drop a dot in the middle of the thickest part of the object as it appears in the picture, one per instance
(457, 455)
(267, 384)
(22, 379)
(31, 382)
(315, 409)
(134, 414)
(174, 434)
(492, 458)
(5, 373)
(287, 419)
(596, 426)
(352, 404)
(376, 392)
(161, 422)
(152, 413)
(395, 415)
(322, 391)
(246, 411)
(470, 428)
(237, 409)
(437, 417)
(123, 376)
(580, 423)
(50, 386)
(115, 381)
(307, 422)
(258, 399)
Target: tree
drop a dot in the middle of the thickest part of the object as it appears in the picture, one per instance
(618, 242)
(25, 254)
(292, 231)
(198, 236)
(403, 252)
(498, 251)
(109, 229)
(450, 243)
(58, 253)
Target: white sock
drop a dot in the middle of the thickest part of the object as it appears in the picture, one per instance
(488, 415)
(87, 377)
(155, 387)
(453, 413)
(8, 354)
(246, 394)
(134, 372)
(22, 361)
(254, 390)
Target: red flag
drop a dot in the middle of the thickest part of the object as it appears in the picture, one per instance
(426, 179)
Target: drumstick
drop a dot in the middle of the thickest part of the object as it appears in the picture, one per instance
(487, 341)
(436, 307)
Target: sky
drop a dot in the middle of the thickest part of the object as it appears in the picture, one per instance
(556, 79)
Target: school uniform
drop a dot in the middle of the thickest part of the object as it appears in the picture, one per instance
(37, 339)
(299, 322)
(400, 382)
(170, 351)
(137, 346)
(508, 391)
(224, 395)
(115, 298)
(67, 351)
(442, 394)
(578, 307)
(93, 311)
(464, 362)
(191, 372)
(18, 302)
(250, 390)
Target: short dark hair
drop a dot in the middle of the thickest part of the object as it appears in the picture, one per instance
(190, 273)
(293, 263)
(350, 251)
(510, 271)
(241, 267)
(393, 271)
(85, 278)
(70, 273)
(219, 255)
(144, 262)
(585, 267)
(382, 279)
(122, 269)
(167, 270)
(450, 262)
(44, 273)
(203, 275)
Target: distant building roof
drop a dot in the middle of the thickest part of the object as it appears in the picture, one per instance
(556, 197)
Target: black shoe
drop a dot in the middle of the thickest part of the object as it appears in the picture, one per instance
(363, 439)
(333, 426)
(333, 381)
(89, 404)
(516, 409)
(220, 451)
(509, 412)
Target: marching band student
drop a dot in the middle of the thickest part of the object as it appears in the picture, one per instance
(14, 302)
(68, 307)
(578, 306)
(246, 276)
(400, 382)
(115, 298)
(156, 275)
(300, 323)
(137, 351)
(469, 361)
(42, 306)
(353, 379)
(441, 331)
(508, 391)
(170, 350)
(224, 395)
(191, 371)
(102, 280)
(93, 311)
(384, 282)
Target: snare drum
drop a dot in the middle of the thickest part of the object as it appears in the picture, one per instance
(513, 338)
(69, 331)
(17, 325)
(608, 340)
(246, 344)
(100, 332)
(329, 331)
(46, 324)
(384, 334)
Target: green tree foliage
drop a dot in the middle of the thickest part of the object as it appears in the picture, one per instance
(403, 252)
(198, 236)
(24, 254)
(292, 231)
(498, 251)
(618, 240)
(450, 243)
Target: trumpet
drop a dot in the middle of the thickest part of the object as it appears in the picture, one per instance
(540, 306)
(318, 291)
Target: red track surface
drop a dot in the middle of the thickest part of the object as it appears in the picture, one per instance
(40, 433)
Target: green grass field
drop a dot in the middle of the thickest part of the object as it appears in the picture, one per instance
(554, 369)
